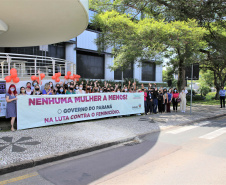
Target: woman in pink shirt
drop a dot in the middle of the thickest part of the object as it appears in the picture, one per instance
(145, 100)
(175, 97)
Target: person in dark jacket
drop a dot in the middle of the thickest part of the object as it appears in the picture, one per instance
(164, 100)
(160, 101)
(150, 99)
(155, 100)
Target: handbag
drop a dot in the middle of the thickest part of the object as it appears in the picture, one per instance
(178, 100)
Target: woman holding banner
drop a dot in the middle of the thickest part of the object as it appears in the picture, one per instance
(11, 104)
(47, 90)
(80, 91)
(70, 90)
(37, 90)
(28, 88)
(22, 91)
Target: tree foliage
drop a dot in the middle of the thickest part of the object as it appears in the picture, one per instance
(147, 38)
(168, 74)
(215, 53)
(183, 31)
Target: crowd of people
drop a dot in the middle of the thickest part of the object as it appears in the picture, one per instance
(160, 100)
(155, 99)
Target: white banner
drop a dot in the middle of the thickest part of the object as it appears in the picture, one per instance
(2, 105)
(38, 111)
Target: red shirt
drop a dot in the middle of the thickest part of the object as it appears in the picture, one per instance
(175, 95)
(145, 96)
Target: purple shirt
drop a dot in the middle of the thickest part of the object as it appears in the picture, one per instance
(44, 92)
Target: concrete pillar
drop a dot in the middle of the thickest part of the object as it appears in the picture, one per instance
(109, 75)
(71, 56)
(137, 71)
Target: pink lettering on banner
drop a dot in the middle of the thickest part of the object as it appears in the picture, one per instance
(117, 97)
(63, 100)
(38, 101)
(52, 110)
(105, 98)
(51, 101)
(48, 101)
(70, 100)
(104, 113)
(31, 101)
(48, 120)
(45, 101)
(78, 116)
(58, 100)
(87, 98)
(77, 99)
(62, 118)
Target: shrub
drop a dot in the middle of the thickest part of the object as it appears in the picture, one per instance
(204, 90)
(196, 98)
(193, 92)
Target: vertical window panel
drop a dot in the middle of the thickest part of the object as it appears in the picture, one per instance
(90, 65)
(148, 71)
(127, 73)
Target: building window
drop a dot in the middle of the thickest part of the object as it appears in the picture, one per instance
(127, 73)
(90, 65)
(91, 15)
(148, 71)
(57, 50)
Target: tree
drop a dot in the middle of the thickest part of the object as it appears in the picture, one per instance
(147, 38)
(206, 80)
(215, 59)
(168, 75)
(180, 49)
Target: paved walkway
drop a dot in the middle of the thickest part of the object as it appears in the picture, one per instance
(27, 148)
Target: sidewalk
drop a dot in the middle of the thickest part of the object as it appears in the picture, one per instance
(28, 148)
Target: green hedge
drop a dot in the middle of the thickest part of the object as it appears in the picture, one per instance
(196, 98)
(193, 92)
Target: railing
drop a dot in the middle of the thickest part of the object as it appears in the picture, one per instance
(28, 65)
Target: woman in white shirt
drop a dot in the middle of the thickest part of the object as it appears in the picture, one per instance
(183, 101)
(80, 91)
(28, 88)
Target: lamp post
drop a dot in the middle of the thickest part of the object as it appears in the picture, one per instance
(191, 88)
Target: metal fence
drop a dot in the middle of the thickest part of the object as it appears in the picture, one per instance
(28, 65)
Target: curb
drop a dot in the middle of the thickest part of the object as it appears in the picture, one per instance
(47, 159)
(182, 124)
(51, 158)
(203, 119)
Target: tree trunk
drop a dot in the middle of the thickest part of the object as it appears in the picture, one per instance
(217, 96)
(217, 86)
(181, 76)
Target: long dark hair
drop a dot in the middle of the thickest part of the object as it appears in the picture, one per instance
(24, 89)
(14, 92)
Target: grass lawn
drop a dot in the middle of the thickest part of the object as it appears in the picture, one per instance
(208, 101)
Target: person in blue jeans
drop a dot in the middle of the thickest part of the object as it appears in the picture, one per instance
(222, 97)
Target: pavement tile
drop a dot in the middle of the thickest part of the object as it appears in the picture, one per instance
(39, 143)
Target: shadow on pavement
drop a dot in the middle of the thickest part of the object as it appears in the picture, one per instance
(88, 169)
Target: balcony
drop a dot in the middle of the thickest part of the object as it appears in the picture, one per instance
(28, 65)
